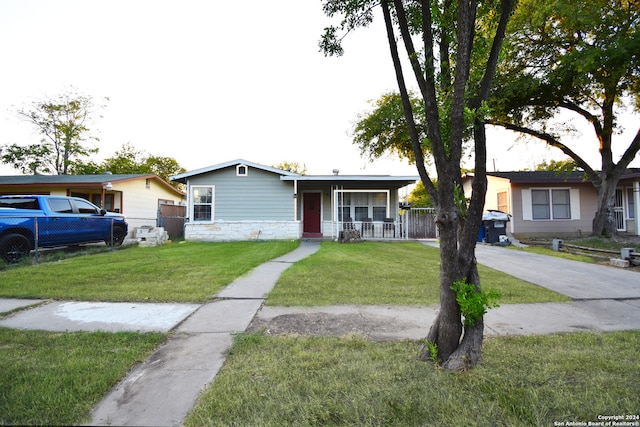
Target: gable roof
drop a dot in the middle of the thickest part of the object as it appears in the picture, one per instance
(182, 178)
(79, 180)
(400, 181)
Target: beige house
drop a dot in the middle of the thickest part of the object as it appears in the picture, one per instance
(548, 204)
(138, 196)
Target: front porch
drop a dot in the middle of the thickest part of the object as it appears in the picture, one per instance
(328, 204)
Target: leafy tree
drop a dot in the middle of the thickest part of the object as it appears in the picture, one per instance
(560, 166)
(384, 129)
(578, 56)
(294, 167)
(454, 69)
(419, 197)
(130, 160)
(64, 124)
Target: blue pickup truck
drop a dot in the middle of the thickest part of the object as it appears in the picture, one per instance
(31, 222)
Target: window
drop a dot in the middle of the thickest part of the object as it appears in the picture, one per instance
(540, 204)
(631, 203)
(242, 170)
(561, 204)
(362, 205)
(551, 204)
(502, 202)
(84, 207)
(202, 203)
(108, 201)
(379, 202)
(344, 207)
(60, 206)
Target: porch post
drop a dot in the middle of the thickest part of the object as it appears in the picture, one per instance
(295, 199)
(334, 213)
(636, 204)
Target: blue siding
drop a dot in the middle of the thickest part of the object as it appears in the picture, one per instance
(260, 195)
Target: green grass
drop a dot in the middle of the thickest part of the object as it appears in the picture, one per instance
(523, 381)
(613, 244)
(402, 273)
(542, 250)
(185, 272)
(56, 378)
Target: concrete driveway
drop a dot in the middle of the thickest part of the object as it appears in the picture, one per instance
(577, 280)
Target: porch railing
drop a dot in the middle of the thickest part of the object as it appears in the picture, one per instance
(369, 229)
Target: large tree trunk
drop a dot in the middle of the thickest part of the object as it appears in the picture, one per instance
(444, 335)
(604, 223)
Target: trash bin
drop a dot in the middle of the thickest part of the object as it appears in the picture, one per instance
(494, 224)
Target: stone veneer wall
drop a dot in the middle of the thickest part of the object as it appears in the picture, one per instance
(243, 230)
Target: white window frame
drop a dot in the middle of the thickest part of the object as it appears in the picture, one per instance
(574, 203)
(191, 204)
(370, 203)
(246, 170)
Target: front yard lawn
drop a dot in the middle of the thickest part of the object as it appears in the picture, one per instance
(401, 273)
(522, 381)
(50, 378)
(184, 272)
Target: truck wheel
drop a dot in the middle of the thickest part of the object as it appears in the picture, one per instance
(14, 247)
(118, 236)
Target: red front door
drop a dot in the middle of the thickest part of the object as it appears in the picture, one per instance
(311, 213)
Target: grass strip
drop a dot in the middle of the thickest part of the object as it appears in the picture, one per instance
(52, 378)
(532, 381)
(402, 273)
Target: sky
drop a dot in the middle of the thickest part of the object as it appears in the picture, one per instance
(206, 82)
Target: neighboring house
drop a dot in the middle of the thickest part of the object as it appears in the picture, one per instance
(242, 200)
(138, 196)
(553, 204)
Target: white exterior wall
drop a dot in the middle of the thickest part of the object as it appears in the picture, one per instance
(140, 203)
(243, 230)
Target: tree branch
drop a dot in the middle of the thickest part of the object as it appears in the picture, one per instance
(631, 151)
(591, 118)
(492, 63)
(552, 141)
(406, 106)
(427, 85)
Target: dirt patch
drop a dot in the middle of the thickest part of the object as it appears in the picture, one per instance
(383, 325)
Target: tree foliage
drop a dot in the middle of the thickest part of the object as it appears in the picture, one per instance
(579, 56)
(64, 123)
(294, 167)
(384, 129)
(129, 160)
(560, 166)
(419, 197)
(453, 68)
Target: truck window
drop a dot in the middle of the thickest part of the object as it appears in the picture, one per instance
(20, 203)
(85, 207)
(60, 206)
